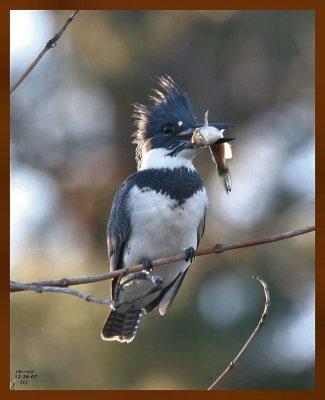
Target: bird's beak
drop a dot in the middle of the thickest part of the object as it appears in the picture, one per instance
(208, 135)
(187, 135)
(224, 140)
(220, 126)
(196, 136)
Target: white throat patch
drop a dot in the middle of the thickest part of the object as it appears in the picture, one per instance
(158, 158)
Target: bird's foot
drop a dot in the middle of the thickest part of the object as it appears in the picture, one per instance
(189, 254)
(147, 264)
(156, 280)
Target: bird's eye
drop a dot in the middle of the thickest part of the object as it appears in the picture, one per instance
(168, 129)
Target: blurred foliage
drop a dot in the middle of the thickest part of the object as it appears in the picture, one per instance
(71, 149)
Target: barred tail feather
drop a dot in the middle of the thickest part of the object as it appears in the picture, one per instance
(122, 326)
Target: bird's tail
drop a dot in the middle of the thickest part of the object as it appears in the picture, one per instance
(122, 326)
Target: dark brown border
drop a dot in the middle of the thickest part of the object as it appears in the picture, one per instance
(5, 6)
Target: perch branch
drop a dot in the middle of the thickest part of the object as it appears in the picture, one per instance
(82, 295)
(49, 45)
(72, 292)
(259, 325)
(216, 249)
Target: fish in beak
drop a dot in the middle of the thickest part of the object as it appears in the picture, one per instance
(211, 135)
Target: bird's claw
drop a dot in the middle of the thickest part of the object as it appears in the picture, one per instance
(156, 280)
(147, 264)
(189, 254)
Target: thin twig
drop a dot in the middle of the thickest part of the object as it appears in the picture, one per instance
(49, 45)
(72, 292)
(259, 325)
(82, 295)
(216, 249)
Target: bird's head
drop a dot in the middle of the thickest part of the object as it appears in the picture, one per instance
(165, 128)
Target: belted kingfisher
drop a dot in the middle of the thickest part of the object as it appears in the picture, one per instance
(158, 211)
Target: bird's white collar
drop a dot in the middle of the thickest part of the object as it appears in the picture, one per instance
(158, 158)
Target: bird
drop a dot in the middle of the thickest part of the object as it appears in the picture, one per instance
(158, 211)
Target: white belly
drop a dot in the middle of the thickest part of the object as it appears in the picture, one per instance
(162, 228)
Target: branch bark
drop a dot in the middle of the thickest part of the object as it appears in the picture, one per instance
(49, 45)
(216, 249)
(40, 289)
(259, 325)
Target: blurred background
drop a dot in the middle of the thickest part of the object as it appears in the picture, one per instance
(71, 149)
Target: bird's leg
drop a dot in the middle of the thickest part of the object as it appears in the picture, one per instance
(147, 264)
(155, 279)
(189, 254)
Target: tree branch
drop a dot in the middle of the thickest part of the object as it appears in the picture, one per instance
(49, 45)
(82, 295)
(216, 249)
(72, 292)
(259, 325)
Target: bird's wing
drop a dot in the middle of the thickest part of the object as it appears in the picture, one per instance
(168, 298)
(118, 228)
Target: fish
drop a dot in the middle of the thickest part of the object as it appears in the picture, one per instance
(220, 153)
(220, 149)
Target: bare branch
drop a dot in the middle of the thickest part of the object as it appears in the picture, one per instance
(82, 295)
(72, 292)
(259, 325)
(49, 45)
(216, 249)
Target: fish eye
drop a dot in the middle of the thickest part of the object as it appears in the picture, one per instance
(168, 129)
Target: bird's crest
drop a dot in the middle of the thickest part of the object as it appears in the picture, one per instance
(168, 104)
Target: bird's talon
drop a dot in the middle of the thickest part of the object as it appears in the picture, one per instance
(147, 264)
(189, 254)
